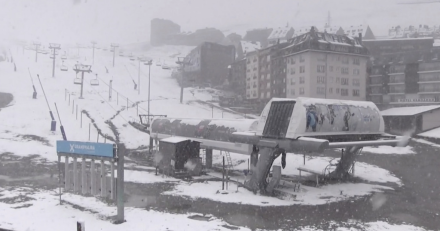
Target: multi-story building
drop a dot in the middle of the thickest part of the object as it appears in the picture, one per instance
(252, 83)
(264, 74)
(323, 65)
(404, 72)
(278, 70)
(238, 77)
(208, 64)
(280, 35)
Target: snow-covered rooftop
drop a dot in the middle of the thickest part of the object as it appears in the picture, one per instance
(250, 46)
(174, 139)
(408, 111)
(279, 33)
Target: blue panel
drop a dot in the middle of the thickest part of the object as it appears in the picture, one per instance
(85, 148)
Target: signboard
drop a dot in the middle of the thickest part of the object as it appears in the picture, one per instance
(85, 148)
(418, 100)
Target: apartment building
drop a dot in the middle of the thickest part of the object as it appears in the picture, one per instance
(404, 72)
(252, 82)
(323, 65)
(264, 77)
(238, 77)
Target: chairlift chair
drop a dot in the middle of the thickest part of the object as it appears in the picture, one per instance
(64, 67)
(77, 80)
(95, 82)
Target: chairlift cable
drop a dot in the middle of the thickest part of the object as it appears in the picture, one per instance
(110, 105)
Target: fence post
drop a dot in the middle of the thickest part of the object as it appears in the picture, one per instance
(97, 137)
(77, 112)
(127, 104)
(69, 99)
(73, 106)
(81, 120)
(89, 131)
(117, 98)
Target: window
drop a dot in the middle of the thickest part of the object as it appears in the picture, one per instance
(356, 82)
(356, 61)
(338, 80)
(301, 80)
(344, 70)
(330, 90)
(292, 81)
(268, 76)
(344, 81)
(302, 69)
(320, 79)
(356, 72)
(330, 68)
(268, 85)
(337, 90)
(344, 92)
(293, 60)
(268, 93)
(292, 91)
(321, 69)
(262, 77)
(292, 71)
(330, 79)
(355, 92)
(320, 90)
(262, 95)
(301, 91)
(301, 58)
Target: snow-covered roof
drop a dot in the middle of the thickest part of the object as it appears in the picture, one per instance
(355, 30)
(279, 33)
(250, 46)
(408, 111)
(174, 139)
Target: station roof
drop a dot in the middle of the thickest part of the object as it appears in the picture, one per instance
(174, 139)
(408, 111)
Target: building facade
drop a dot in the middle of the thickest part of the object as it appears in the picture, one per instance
(252, 83)
(322, 65)
(264, 75)
(404, 72)
(209, 64)
(238, 77)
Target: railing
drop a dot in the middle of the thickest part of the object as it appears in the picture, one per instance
(397, 90)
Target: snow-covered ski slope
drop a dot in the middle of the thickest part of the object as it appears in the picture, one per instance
(27, 116)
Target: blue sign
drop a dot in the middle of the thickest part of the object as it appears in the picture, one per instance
(85, 148)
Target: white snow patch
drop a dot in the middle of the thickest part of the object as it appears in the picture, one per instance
(389, 150)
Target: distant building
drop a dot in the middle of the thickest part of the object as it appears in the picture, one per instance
(258, 35)
(161, 30)
(264, 74)
(209, 64)
(354, 31)
(278, 70)
(414, 31)
(280, 35)
(252, 83)
(323, 65)
(245, 47)
(404, 72)
(238, 77)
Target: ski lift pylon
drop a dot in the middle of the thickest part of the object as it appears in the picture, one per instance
(94, 82)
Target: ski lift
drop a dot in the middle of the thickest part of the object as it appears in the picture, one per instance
(77, 80)
(95, 82)
(64, 67)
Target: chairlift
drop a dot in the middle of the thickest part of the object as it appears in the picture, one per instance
(95, 82)
(64, 67)
(132, 58)
(77, 81)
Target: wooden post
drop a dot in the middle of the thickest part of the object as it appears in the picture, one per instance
(223, 174)
(103, 178)
(73, 106)
(66, 173)
(127, 104)
(83, 176)
(69, 99)
(81, 120)
(75, 175)
(112, 180)
(92, 177)
(97, 137)
(77, 112)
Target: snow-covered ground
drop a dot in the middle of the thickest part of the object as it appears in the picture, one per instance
(434, 133)
(389, 150)
(25, 130)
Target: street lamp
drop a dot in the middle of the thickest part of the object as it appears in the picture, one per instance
(54, 47)
(149, 63)
(114, 45)
(37, 44)
(82, 68)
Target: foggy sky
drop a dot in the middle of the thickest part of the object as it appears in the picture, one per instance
(128, 21)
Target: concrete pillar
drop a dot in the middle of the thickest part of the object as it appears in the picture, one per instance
(208, 158)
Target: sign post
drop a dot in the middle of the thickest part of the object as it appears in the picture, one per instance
(77, 179)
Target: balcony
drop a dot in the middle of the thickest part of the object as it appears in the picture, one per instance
(396, 91)
(429, 79)
(429, 67)
(429, 90)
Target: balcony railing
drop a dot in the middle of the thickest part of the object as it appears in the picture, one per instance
(397, 90)
(429, 89)
(429, 78)
(397, 80)
(429, 67)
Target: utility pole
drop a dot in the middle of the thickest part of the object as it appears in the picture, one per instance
(139, 75)
(37, 44)
(181, 61)
(149, 63)
(82, 68)
(114, 45)
(93, 47)
(54, 47)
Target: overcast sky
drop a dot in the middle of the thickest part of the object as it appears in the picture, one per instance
(128, 21)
